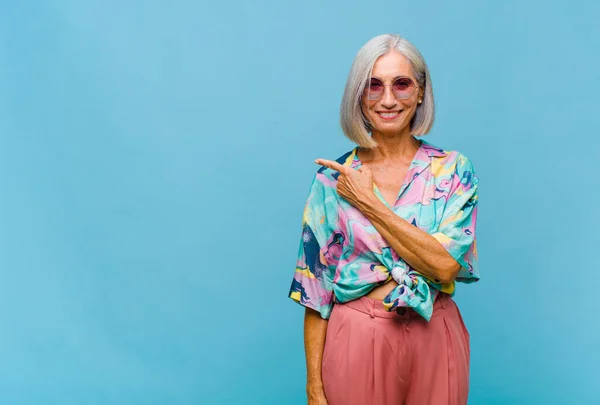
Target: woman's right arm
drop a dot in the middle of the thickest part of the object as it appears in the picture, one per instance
(315, 330)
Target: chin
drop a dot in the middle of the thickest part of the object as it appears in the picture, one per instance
(389, 127)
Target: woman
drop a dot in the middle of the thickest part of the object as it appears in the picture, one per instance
(388, 229)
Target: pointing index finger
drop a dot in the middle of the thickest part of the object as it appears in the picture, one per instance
(331, 164)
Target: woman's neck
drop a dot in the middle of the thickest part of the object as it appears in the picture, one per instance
(395, 148)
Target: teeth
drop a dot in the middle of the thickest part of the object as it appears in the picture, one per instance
(388, 115)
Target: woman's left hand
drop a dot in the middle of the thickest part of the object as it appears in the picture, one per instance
(355, 185)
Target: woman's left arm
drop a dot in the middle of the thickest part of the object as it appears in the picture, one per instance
(419, 249)
(416, 247)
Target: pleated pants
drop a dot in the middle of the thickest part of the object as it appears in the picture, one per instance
(375, 357)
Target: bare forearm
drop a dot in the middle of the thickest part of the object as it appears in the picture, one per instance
(419, 249)
(315, 330)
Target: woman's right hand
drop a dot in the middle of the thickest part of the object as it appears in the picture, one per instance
(316, 395)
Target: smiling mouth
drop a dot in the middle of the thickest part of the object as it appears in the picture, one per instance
(389, 115)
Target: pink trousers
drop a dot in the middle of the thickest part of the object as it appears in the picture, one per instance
(375, 357)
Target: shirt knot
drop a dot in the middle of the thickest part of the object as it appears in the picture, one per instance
(399, 273)
(412, 291)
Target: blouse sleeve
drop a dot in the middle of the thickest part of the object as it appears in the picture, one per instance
(457, 227)
(312, 285)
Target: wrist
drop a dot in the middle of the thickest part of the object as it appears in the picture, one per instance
(314, 388)
(314, 382)
(370, 205)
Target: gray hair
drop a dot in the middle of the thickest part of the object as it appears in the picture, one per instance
(354, 124)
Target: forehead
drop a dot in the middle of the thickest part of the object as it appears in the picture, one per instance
(391, 65)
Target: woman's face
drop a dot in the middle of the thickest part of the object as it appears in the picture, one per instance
(388, 114)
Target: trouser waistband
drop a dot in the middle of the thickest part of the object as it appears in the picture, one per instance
(375, 308)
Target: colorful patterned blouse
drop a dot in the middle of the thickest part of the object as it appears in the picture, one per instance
(342, 256)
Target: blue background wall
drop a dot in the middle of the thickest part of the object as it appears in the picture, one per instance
(154, 161)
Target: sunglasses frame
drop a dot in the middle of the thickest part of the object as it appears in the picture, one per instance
(368, 88)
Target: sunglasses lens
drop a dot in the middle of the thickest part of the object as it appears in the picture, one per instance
(403, 88)
(375, 89)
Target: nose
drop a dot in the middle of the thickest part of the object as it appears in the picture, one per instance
(388, 100)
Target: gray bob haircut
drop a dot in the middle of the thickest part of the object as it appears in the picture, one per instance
(354, 123)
